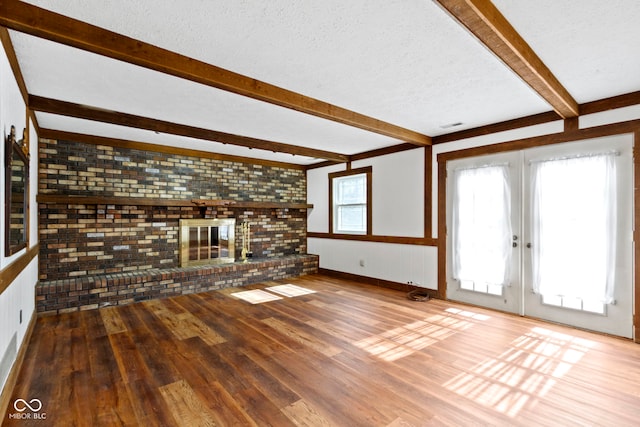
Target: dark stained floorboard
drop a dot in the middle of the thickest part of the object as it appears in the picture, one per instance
(349, 354)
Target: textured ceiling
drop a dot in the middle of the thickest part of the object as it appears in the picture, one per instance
(592, 46)
(406, 62)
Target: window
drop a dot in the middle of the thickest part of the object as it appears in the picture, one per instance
(350, 198)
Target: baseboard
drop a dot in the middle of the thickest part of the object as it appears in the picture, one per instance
(404, 287)
(12, 379)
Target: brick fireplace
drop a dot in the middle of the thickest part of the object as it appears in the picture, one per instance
(107, 210)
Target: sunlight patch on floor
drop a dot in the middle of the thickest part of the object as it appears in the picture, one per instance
(467, 313)
(290, 290)
(256, 296)
(525, 371)
(259, 296)
(407, 339)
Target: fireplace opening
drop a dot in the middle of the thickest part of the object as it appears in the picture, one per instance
(207, 241)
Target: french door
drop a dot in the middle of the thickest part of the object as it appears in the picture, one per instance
(545, 232)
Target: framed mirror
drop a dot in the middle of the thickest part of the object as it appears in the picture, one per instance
(16, 192)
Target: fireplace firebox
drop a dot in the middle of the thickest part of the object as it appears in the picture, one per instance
(207, 241)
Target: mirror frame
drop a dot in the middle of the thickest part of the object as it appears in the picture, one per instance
(20, 149)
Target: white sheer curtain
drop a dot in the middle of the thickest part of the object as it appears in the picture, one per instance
(481, 223)
(574, 227)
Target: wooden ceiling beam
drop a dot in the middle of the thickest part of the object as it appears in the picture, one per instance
(47, 105)
(486, 22)
(521, 122)
(29, 19)
(619, 101)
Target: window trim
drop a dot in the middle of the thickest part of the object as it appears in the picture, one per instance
(368, 171)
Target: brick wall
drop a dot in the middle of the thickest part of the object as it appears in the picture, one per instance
(88, 240)
(74, 168)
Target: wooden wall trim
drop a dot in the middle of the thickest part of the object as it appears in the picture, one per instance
(606, 104)
(442, 229)
(383, 151)
(537, 141)
(428, 196)
(536, 119)
(636, 235)
(12, 379)
(368, 170)
(428, 192)
(404, 287)
(157, 148)
(399, 240)
(9, 274)
(571, 124)
(321, 165)
(368, 155)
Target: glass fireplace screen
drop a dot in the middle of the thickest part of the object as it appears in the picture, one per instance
(207, 241)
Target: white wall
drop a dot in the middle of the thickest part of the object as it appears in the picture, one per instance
(398, 210)
(20, 295)
(392, 262)
(398, 187)
(318, 195)
(398, 200)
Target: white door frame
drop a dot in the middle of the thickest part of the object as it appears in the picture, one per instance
(622, 142)
(511, 299)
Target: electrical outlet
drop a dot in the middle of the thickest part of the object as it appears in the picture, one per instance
(361, 263)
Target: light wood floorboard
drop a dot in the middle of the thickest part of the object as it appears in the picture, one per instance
(347, 355)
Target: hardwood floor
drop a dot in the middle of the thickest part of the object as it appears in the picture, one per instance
(346, 355)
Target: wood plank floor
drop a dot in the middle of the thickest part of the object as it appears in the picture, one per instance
(346, 355)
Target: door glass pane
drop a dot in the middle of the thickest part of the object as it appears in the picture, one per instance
(482, 232)
(573, 228)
